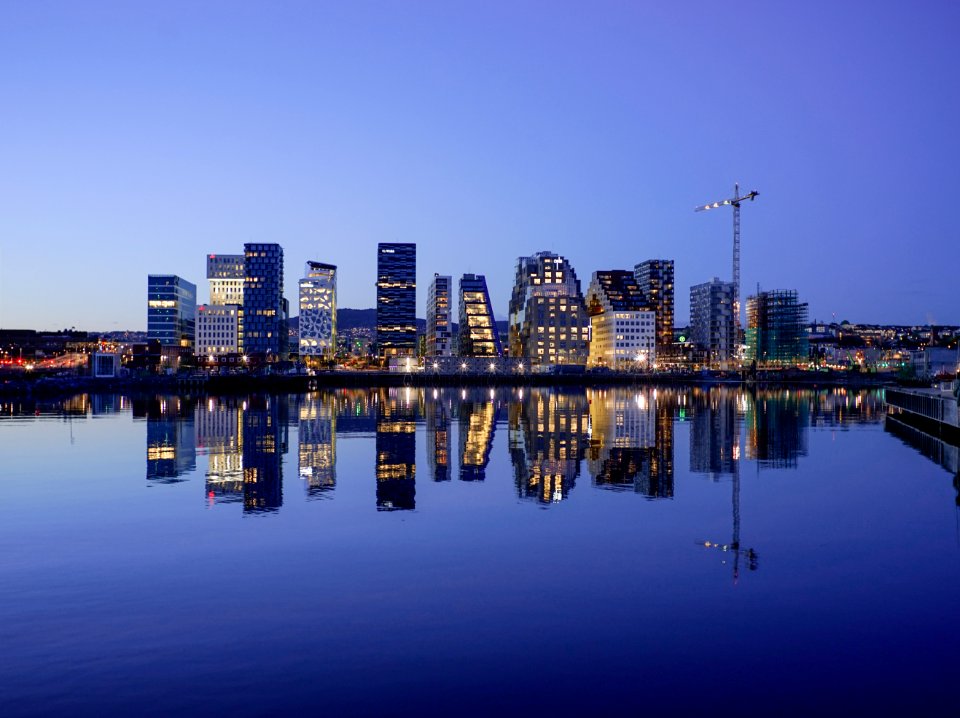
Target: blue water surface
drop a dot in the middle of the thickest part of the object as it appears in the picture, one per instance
(470, 552)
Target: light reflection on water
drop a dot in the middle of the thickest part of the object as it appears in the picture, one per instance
(679, 526)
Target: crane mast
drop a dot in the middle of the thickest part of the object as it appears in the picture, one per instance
(735, 203)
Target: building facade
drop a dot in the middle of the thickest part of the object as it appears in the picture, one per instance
(171, 311)
(478, 335)
(396, 299)
(439, 335)
(548, 318)
(217, 329)
(622, 327)
(776, 328)
(226, 272)
(655, 279)
(264, 308)
(712, 325)
(318, 312)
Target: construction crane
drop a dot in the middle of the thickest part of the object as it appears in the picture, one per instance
(735, 203)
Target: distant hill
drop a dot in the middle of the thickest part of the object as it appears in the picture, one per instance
(356, 318)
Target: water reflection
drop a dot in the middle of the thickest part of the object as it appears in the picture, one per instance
(631, 441)
(396, 450)
(479, 414)
(940, 452)
(317, 444)
(171, 435)
(548, 437)
(264, 441)
(626, 436)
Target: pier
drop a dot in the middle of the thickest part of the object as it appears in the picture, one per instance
(935, 409)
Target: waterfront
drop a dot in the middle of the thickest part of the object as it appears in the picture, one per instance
(465, 551)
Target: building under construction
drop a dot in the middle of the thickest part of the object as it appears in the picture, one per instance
(776, 328)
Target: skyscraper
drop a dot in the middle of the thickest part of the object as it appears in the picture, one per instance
(171, 311)
(438, 317)
(776, 328)
(264, 328)
(478, 336)
(396, 299)
(712, 326)
(548, 319)
(318, 312)
(622, 327)
(655, 279)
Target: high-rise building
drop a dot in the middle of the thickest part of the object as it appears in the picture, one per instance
(438, 317)
(655, 279)
(478, 335)
(264, 308)
(225, 272)
(548, 318)
(171, 311)
(622, 327)
(218, 329)
(318, 312)
(712, 325)
(776, 328)
(396, 299)
(220, 323)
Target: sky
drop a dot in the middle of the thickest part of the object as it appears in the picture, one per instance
(135, 138)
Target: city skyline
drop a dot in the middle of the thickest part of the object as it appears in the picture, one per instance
(138, 140)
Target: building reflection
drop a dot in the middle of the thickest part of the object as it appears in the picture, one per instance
(479, 414)
(171, 436)
(547, 439)
(942, 453)
(841, 407)
(716, 417)
(396, 450)
(263, 443)
(777, 421)
(220, 436)
(437, 418)
(317, 429)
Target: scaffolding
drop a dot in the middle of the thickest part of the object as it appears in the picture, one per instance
(776, 328)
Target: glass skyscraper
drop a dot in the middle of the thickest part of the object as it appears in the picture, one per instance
(438, 317)
(655, 279)
(171, 311)
(264, 313)
(396, 299)
(478, 328)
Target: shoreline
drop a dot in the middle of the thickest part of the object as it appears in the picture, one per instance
(280, 384)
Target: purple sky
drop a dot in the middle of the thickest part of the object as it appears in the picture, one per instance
(137, 137)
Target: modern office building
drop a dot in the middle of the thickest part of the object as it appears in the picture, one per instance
(548, 318)
(622, 327)
(226, 272)
(171, 311)
(318, 312)
(218, 329)
(478, 335)
(655, 279)
(776, 328)
(396, 299)
(439, 334)
(264, 308)
(712, 325)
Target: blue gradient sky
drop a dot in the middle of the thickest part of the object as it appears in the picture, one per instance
(137, 137)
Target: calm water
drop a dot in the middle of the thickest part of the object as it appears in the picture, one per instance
(420, 552)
